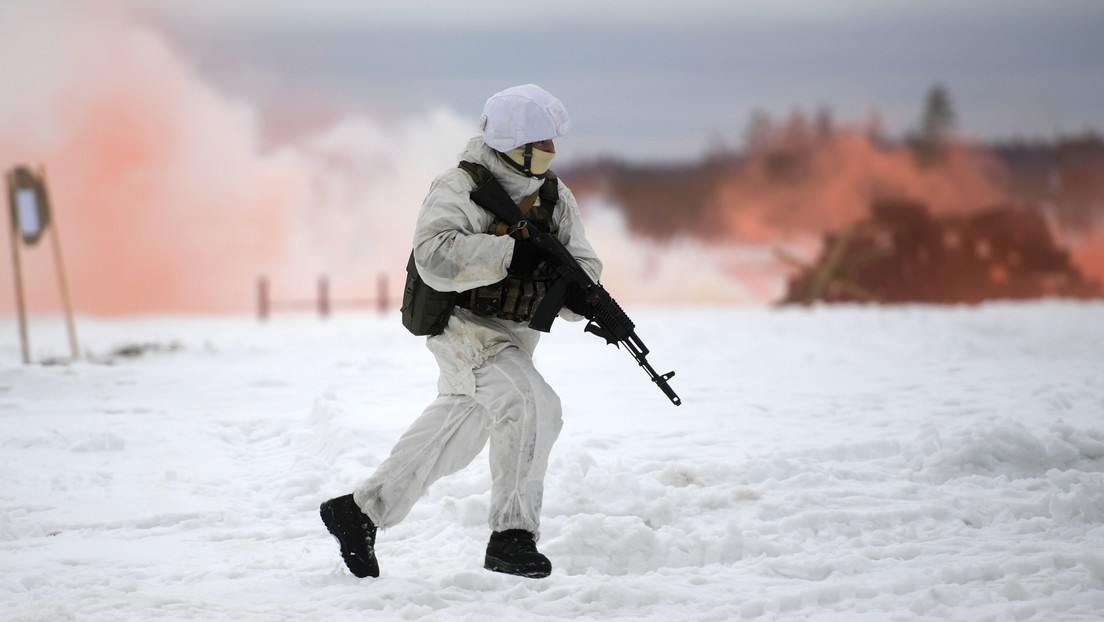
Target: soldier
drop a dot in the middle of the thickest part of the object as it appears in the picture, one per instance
(488, 388)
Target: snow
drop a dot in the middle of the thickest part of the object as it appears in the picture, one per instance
(843, 463)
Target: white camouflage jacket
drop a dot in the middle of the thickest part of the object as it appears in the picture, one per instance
(453, 253)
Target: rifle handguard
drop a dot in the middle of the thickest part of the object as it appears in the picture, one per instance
(608, 314)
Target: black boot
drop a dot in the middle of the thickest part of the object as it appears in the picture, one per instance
(355, 532)
(515, 552)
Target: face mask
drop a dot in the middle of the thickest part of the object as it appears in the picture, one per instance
(541, 161)
(538, 164)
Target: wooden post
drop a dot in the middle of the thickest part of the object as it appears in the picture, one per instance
(262, 298)
(381, 299)
(55, 242)
(16, 241)
(323, 296)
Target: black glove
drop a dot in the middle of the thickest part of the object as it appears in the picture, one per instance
(532, 247)
(525, 259)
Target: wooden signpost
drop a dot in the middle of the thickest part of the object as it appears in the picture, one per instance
(31, 218)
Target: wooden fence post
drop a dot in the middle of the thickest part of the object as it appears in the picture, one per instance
(382, 300)
(263, 308)
(323, 296)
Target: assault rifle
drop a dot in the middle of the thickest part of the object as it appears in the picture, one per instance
(574, 287)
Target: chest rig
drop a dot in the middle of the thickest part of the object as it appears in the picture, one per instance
(516, 297)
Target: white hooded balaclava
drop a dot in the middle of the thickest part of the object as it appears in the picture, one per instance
(521, 115)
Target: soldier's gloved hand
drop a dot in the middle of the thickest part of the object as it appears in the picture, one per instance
(525, 259)
(532, 246)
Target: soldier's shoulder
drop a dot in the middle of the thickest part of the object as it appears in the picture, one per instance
(457, 179)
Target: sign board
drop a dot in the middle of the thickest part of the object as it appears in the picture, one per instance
(29, 208)
(29, 203)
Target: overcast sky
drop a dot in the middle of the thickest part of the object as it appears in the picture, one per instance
(654, 83)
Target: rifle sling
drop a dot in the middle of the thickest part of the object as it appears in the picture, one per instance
(491, 197)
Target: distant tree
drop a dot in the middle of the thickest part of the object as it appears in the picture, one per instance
(938, 120)
(936, 125)
(825, 127)
(760, 132)
(796, 132)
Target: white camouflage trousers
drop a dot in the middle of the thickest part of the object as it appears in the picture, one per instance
(514, 407)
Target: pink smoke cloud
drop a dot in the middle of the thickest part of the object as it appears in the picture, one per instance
(165, 198)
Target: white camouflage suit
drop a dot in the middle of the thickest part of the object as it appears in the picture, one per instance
(488, 387)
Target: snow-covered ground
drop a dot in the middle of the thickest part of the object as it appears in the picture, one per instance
(842, 463)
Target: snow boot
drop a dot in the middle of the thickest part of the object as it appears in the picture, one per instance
(355, 532)
(514, 551)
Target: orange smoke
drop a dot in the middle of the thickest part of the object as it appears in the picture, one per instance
(788, 189)
(833, 180)
(830, 181)
(165, 199)
(1087, 251)
(157, 187)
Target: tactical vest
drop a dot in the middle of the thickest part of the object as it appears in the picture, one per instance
(425, 311)
(516, 297)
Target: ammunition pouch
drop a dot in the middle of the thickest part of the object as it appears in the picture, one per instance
(425, 311)
(514, 298)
